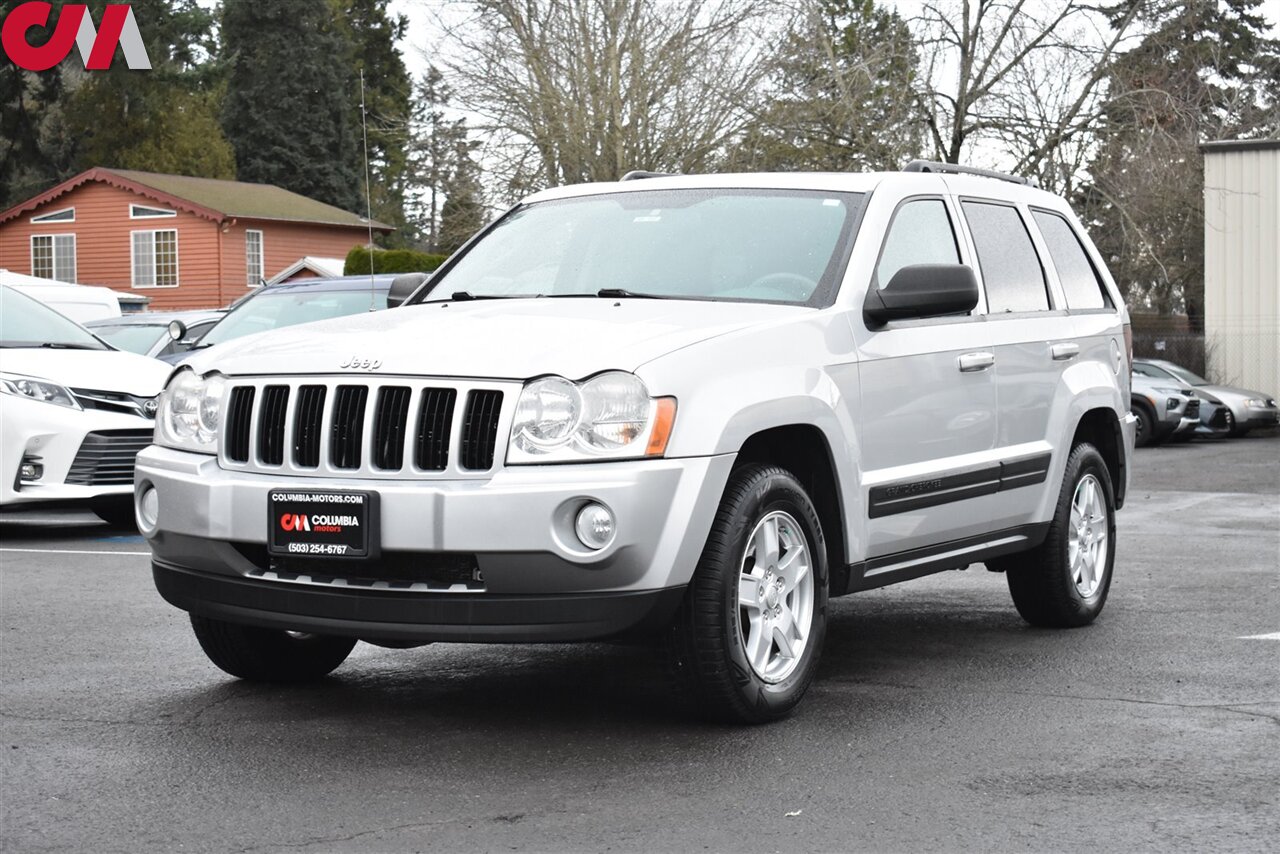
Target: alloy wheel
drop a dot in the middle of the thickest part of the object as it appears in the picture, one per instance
(776, 596)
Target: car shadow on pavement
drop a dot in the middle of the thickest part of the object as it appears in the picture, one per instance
(534, 690)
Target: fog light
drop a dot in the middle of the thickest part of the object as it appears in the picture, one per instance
(30, 472)
(595, 526)
(1172, 403)
(148, 509)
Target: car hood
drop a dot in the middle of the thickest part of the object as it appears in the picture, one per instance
(100, 370)
(500, 339)
(1229, 394)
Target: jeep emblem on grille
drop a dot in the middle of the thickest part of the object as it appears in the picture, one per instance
(355, 363)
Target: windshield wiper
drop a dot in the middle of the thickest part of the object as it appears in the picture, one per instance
(618, 293)
(55, 345)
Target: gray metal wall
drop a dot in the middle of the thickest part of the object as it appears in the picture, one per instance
(1242, 263)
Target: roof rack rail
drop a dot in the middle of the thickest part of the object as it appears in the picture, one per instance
(640, 175)
(954, 168)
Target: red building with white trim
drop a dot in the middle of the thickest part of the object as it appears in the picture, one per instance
(184, 242)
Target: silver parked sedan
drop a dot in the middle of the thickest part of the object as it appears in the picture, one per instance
(152, 333)
(1246, 409)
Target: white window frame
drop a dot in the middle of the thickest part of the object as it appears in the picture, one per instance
(152, 213)
(251, 280)
(41, 219)
(133, 258)
(53, 248)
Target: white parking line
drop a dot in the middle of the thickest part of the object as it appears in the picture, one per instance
(1272, 636)
(77, 552)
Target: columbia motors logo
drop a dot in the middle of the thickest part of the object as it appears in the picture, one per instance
(321, 523)
(97, 45)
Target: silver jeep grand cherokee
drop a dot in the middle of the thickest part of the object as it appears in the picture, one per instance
(687, 410)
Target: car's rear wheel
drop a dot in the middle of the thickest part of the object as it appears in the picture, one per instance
(269, 655)
(1064, 581)
(746, 641)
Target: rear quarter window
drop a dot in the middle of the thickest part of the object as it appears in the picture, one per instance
(1080, 280)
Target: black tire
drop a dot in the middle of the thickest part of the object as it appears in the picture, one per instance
(269, 655)
(706, 644)
(1146, 424)
(116, 512)
(1042, 581)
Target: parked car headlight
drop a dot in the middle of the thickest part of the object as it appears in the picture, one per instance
(608, 416)
(190, 412)
(1165, 390)
(36, 389)
(1255, 403)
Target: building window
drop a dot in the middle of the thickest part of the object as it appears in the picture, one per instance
(53, 256)
(141, 212)
(255, 270)
(155, 259)
(64, 215)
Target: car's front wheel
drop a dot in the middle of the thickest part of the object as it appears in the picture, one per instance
(1065, 580)
(269, 655)
(746, 641)
(1146, 425)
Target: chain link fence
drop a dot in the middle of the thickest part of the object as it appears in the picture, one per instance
(1235, 350)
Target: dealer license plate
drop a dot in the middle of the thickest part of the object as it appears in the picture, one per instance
(316, 523)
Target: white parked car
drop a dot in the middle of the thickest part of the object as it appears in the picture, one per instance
(681, 409)
(75, 412)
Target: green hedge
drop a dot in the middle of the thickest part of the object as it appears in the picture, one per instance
(391, 261)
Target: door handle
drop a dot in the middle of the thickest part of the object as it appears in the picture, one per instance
(1062, 352)
(971, 362)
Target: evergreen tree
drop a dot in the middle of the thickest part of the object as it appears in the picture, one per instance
(842, 94)
(373, 34)
(162, 120)
(434, 156)
(1205, 70)
(291, 98)
(463, 212)
(31, 160)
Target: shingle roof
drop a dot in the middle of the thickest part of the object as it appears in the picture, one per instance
(211, 197)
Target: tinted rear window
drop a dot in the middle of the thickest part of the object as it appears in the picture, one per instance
(1010, 267)
(1080, 281)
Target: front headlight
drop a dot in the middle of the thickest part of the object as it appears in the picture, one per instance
(1255, 403)
(190, 412)
(609, 416)
(1164, 390)
(41, 390)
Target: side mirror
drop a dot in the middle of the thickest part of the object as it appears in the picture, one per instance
(177, 330)
(922, 290)
(403, 286)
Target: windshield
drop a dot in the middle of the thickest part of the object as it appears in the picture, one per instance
(134, 337)
(754, 245)
(24, 322)
(274, 310)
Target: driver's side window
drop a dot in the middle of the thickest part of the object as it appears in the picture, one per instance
(921, 233)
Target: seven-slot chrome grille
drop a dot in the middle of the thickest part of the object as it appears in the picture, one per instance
(344, 426)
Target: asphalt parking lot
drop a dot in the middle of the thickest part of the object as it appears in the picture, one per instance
(939, 720)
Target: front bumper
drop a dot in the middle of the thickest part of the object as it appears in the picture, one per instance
(538, 582)
(403, 617)
(1256, 417)
(53, 436)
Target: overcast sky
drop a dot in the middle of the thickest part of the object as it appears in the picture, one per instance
(424, 37)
